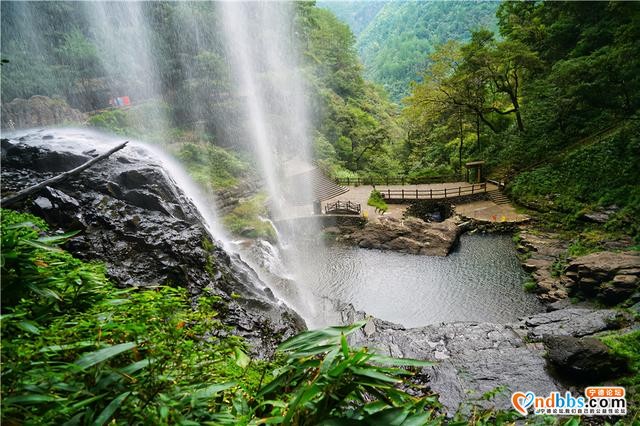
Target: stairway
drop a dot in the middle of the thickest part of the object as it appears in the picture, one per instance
(498, 197)
(322, 188)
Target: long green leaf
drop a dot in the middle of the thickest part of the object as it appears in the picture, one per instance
(54, 239)
(373, 374)
(419, 419)
(97, 357)
(30, 399)
(316, 337)
(76, 345)
(41, 245)
(110, 409)
(242, 360)
(389, 417)
(29, 326)
(408, 362)
(209, 391)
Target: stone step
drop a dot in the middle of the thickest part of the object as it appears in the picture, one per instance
(312, 185)
(498, 197)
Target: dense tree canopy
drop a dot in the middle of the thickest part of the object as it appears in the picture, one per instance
(562, 79)
(396, 42)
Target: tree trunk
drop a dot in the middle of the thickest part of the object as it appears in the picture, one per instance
(20, 195)
(460, 148)
(478, 132)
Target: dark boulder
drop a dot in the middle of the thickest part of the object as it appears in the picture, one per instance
(136, 220)
(611, 277)
(582, 360)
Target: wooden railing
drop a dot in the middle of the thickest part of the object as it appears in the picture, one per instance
(396, 180)
(430, 194)
(342, 207)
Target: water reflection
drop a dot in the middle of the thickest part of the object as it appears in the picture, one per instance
(480, 281)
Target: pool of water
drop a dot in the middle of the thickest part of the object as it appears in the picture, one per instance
(481, 280)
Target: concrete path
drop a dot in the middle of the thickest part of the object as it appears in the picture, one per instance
(485, 210)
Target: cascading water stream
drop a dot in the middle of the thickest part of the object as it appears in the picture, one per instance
(263, 54)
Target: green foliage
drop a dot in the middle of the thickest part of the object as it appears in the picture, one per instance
(211, 166)
(627, 346)
(395, 45)
(324, 381)
(585, 179)
(112, 120)
(530, 286)
(77, 349)
(377, 200)
(356, 14)
(32, 266)
(546, 106)
(356, 126)
(248, 219)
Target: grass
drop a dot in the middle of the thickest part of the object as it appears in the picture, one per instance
(627, 346)
(247, 219)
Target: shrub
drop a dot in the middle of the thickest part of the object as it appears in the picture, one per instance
(377, 200)
(248, 219)
(530, 286)
(211, 166)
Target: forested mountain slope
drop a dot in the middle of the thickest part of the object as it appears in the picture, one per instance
(552, 106)
(356, 14)
(395, 45)
(352, 120)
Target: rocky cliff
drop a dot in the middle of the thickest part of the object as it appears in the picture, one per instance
(132, 216)
(38, 111)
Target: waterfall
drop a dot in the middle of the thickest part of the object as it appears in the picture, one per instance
(251, 93)
(263, 52)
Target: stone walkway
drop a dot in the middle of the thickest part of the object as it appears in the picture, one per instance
(488, 211)
(484, 210)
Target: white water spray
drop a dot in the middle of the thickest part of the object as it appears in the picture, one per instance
(263, 53)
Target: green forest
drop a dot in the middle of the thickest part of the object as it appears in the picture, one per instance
(551, 104)
(546, 93)
(394, 39)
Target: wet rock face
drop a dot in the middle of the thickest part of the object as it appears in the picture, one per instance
(543, 250)
(611, 277)
(410, 235)
(577, 322)
(38, 111)
(133, 218)
(582, 360)
(472, 359)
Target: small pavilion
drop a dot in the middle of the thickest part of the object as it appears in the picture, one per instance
(474, 171)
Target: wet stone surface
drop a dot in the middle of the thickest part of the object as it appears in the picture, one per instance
(133, 217)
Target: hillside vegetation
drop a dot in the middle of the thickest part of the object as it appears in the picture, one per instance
(395, 44)
(551, 105)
